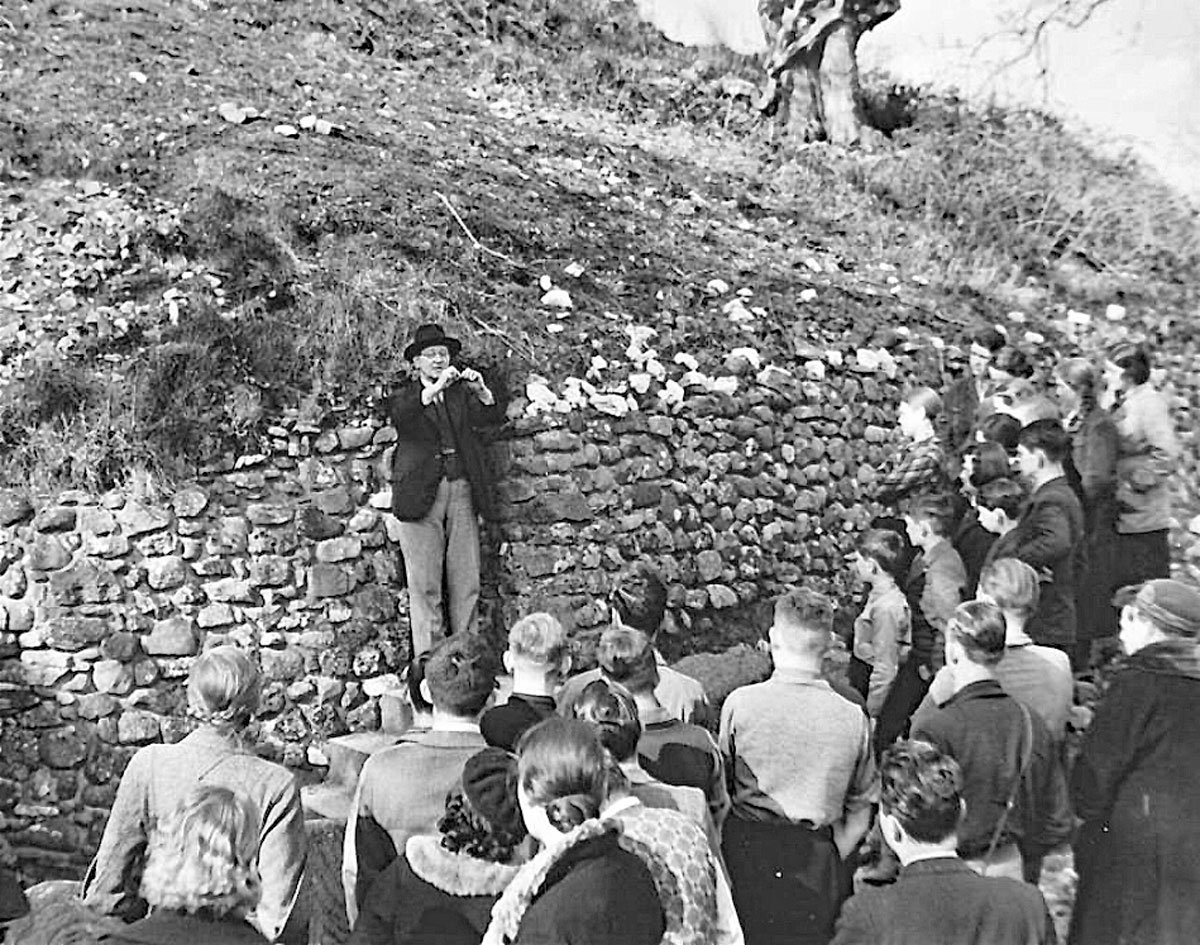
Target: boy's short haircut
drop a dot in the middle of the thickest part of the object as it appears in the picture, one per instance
(1014, 362)
(806, 619)
(991, 462)
(461, 673)
(1133, 359)
(626, 656)
(979, 627)
(937, 510)
(885, 548)
(539, 638)
(613, 710)
(922, 789)
(1047, 437)
(990, 338)
(1001, 428)
(1012, 584)
(640, 600)
(1007, 495)
(926, 399)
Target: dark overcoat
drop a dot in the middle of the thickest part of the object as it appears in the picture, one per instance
(1049, 538)
(1134, 786)
(944, 902)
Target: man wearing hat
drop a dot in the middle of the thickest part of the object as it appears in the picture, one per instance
(1135, 781)
(440, 484)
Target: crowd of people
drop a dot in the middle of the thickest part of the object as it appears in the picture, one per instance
(910, 799)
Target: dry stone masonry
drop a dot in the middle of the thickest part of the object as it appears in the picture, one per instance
(736, 483)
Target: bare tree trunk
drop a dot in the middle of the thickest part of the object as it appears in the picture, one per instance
(802, 116)
(841, 94)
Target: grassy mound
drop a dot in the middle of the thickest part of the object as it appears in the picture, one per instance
(172, 280)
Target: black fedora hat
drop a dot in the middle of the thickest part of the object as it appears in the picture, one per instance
(428, 336)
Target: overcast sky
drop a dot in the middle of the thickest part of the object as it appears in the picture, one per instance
(1132, 72)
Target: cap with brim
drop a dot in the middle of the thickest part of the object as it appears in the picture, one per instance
(1171, 605)
(429, 336)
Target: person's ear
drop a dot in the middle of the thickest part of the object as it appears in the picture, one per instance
(507, 660)
(426, 692)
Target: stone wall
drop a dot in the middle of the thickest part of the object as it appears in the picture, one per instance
(735, 483)
(737, 472)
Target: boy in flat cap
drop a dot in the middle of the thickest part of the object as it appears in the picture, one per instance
(1134, 783)
(440, 484)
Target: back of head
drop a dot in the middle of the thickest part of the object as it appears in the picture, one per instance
(885, 548)
(223, 687)
(978, 627)
(562, 766)
(1133, 359)
(640, 600)
(1081, 376)
(804, 622)
(484, 819)
(626, 656)
(1047, 437)
(1014, 362)
(1004, 494)
(540, 639)
(204, 855)
(1002, 429)
(991, 461)
(922, 789)
(461, 674)
(937, 511)
(988, 339)
(612, 709)
(925, 399)
(1013, 585)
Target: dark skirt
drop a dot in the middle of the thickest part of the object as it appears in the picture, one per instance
(788, 881)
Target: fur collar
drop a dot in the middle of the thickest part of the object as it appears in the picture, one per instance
(456, 873)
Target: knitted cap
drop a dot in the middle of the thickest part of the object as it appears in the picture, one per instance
(490, 786)
(1171, 605)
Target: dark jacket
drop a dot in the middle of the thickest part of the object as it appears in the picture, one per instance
(973, 542)
(596, 894)
(945, 902)
(984, 729)
(430, 896)
(1134, 786)
(167, 927)
(960, 414)
(417, 464)
(1049, 538)
(502, 725)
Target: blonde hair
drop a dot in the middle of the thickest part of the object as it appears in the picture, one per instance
(1013, 585)
(204, 855)
(223, 687)
(540, 638)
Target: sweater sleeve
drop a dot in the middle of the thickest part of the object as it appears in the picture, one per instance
(281, 858)
(890, 643)
(124, 840)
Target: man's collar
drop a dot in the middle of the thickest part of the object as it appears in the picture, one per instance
(792, 674)
(941, 863)
(980, 689)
